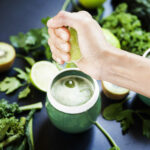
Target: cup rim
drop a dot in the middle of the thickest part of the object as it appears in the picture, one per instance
(73, 109)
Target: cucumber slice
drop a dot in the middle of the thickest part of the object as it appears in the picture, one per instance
(113, 91)
(7, 56)
(42, 73)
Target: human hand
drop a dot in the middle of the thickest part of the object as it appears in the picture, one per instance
(91, 41)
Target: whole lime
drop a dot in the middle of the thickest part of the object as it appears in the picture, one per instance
(91, 3)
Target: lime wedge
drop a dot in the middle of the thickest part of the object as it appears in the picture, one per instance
(75, 50)
(42, 73)
(113, 91)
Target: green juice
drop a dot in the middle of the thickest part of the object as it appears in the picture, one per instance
(72, 90)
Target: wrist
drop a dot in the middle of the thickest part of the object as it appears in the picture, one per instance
(111, 57)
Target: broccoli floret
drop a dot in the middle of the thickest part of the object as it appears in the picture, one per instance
(11, 126)
(8, 110)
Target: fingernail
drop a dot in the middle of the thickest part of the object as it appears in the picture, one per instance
(64, 47)
(65, 58)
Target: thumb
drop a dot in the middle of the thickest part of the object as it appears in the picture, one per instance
(63, 18)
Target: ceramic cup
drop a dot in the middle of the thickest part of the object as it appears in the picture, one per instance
(144, 99)
(73, 119)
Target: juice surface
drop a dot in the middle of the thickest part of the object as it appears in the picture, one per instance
(72, 90)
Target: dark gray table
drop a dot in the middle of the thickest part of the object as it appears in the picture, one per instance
(21, 15)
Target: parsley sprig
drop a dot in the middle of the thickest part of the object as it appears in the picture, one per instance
(126, 117)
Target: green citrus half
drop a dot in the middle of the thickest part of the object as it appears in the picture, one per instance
(42, 73)
(113, 91)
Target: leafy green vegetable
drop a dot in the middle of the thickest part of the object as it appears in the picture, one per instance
(29, 134)
(126, 119)
(12, 128)
(140, 8)
(15, 129)
(33, 40)
(22, 75)
(125, 116)
(24, 93)
(128, 29)
(111, 112)
(8, 110)
(9, 85)
(30, 60)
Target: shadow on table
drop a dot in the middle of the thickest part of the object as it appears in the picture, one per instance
(53, 139)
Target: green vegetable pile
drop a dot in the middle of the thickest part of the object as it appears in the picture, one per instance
(127, 117)
(127, 27)
(140, 8)
(16, 130)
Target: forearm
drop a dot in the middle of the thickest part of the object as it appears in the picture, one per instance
(127, 70)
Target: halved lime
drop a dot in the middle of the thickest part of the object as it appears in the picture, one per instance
(113, 91)
(7, 56)
(42, 73)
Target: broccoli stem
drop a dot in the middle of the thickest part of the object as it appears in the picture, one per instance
(106, 134)
(14, 137)
(31, 106)
(9, 140)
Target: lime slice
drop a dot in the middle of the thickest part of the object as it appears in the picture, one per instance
(75, 50)
(42, 73)
(113, 91)
(7, 56)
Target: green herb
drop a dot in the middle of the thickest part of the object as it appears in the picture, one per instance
(24, 93)
(28, 59)
(33, 40)
(9, 85)
(126, 117)
(140, 8)
(128, 29)
(23, 75)
(114, 145)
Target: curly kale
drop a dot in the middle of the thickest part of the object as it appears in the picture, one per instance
(128, 29)
(140, 8)
(8, 110)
